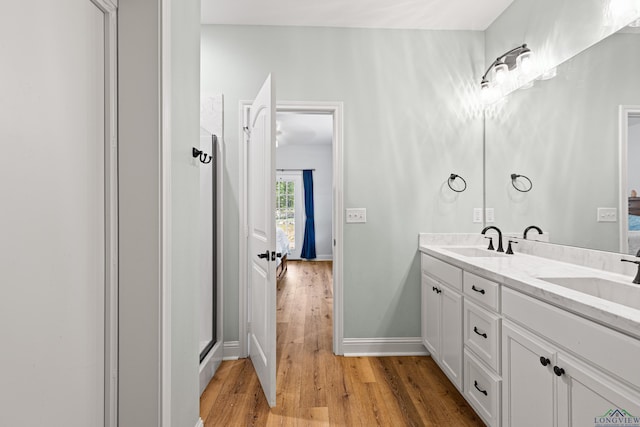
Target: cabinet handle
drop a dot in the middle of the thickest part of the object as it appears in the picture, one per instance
(436, 290)
(475, 384)
(482, 334)
(545, 361)
(559, 371)
(473, 287)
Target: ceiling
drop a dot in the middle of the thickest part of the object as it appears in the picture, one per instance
(400, 14)
(304, 129)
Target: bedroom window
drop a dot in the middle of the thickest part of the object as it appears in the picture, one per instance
(285, 209)
(290, 208)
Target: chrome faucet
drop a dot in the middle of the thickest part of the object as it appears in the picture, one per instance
(493, 227)
(531, 227)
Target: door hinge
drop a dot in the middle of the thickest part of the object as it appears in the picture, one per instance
(334, 242)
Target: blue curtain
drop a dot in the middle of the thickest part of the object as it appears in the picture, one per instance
(309, 243)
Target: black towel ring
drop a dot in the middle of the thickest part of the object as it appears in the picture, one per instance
(452, 178)
(514, 177)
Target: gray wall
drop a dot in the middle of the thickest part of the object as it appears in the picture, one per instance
(141, 76)
(139, 215)
(410, 120)
(318, 157)
(185, 199)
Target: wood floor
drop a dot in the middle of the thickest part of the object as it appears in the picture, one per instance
(317, 388)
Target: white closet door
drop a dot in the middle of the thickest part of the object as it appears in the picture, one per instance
(52, 213)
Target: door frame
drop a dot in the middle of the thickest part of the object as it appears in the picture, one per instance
(320, 107)
(109, 9)
(624, 112)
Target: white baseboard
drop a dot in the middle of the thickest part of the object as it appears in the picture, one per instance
(410, 346)
(231, 350)
(200, 423)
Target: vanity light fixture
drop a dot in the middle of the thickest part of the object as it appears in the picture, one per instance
(519, 58)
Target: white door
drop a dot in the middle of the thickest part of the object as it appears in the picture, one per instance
(587, 397)
(53, 225)
(528, 397)
(451, 335)
(262, 238)
(431, 316)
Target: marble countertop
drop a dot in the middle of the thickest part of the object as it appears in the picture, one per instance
(522, 272)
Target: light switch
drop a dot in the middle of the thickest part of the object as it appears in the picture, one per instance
(477, 215)
(356, 215)
(489, 215)
(607, 215)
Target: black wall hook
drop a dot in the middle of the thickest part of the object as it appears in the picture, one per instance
(452, 178)
(201, 155)
(514, 177)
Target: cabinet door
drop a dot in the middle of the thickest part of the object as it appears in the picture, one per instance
(431, 310)
(451, 335)
(588, 397)
(527, 384)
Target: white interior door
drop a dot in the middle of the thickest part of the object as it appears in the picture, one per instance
(53, 225)
(261, 244)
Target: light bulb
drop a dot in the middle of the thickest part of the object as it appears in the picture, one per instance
(525, 61)
(500, 72)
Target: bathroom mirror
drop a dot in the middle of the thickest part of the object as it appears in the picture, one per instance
(563, 134)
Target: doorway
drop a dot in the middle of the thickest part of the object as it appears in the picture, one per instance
(335, 111)
(629, 179)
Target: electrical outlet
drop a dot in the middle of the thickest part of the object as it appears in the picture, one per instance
(489, 215)
(607, 215)
(356, 215)
(477, 215)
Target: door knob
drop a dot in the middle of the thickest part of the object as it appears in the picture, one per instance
(558, 371)
(544, 361)
(264, 255)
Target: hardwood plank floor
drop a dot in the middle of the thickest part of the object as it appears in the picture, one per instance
(317, 388)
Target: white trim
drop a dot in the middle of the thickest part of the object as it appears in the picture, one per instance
(623, 139)
(232, 350)
(210, 365)
(411, 346)
(165, 215)
(200, 423)
(243, 231)
(336, 110)
(109, 9)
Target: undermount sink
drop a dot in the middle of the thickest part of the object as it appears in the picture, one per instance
(476, 252)
(621, 293)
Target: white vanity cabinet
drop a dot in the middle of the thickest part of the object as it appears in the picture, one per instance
(442, 316)
(560, 369)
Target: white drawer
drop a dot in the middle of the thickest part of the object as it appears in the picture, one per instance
(601, 346)
(482, 390)
(482, 290)
(442, 271)
(482, 334)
